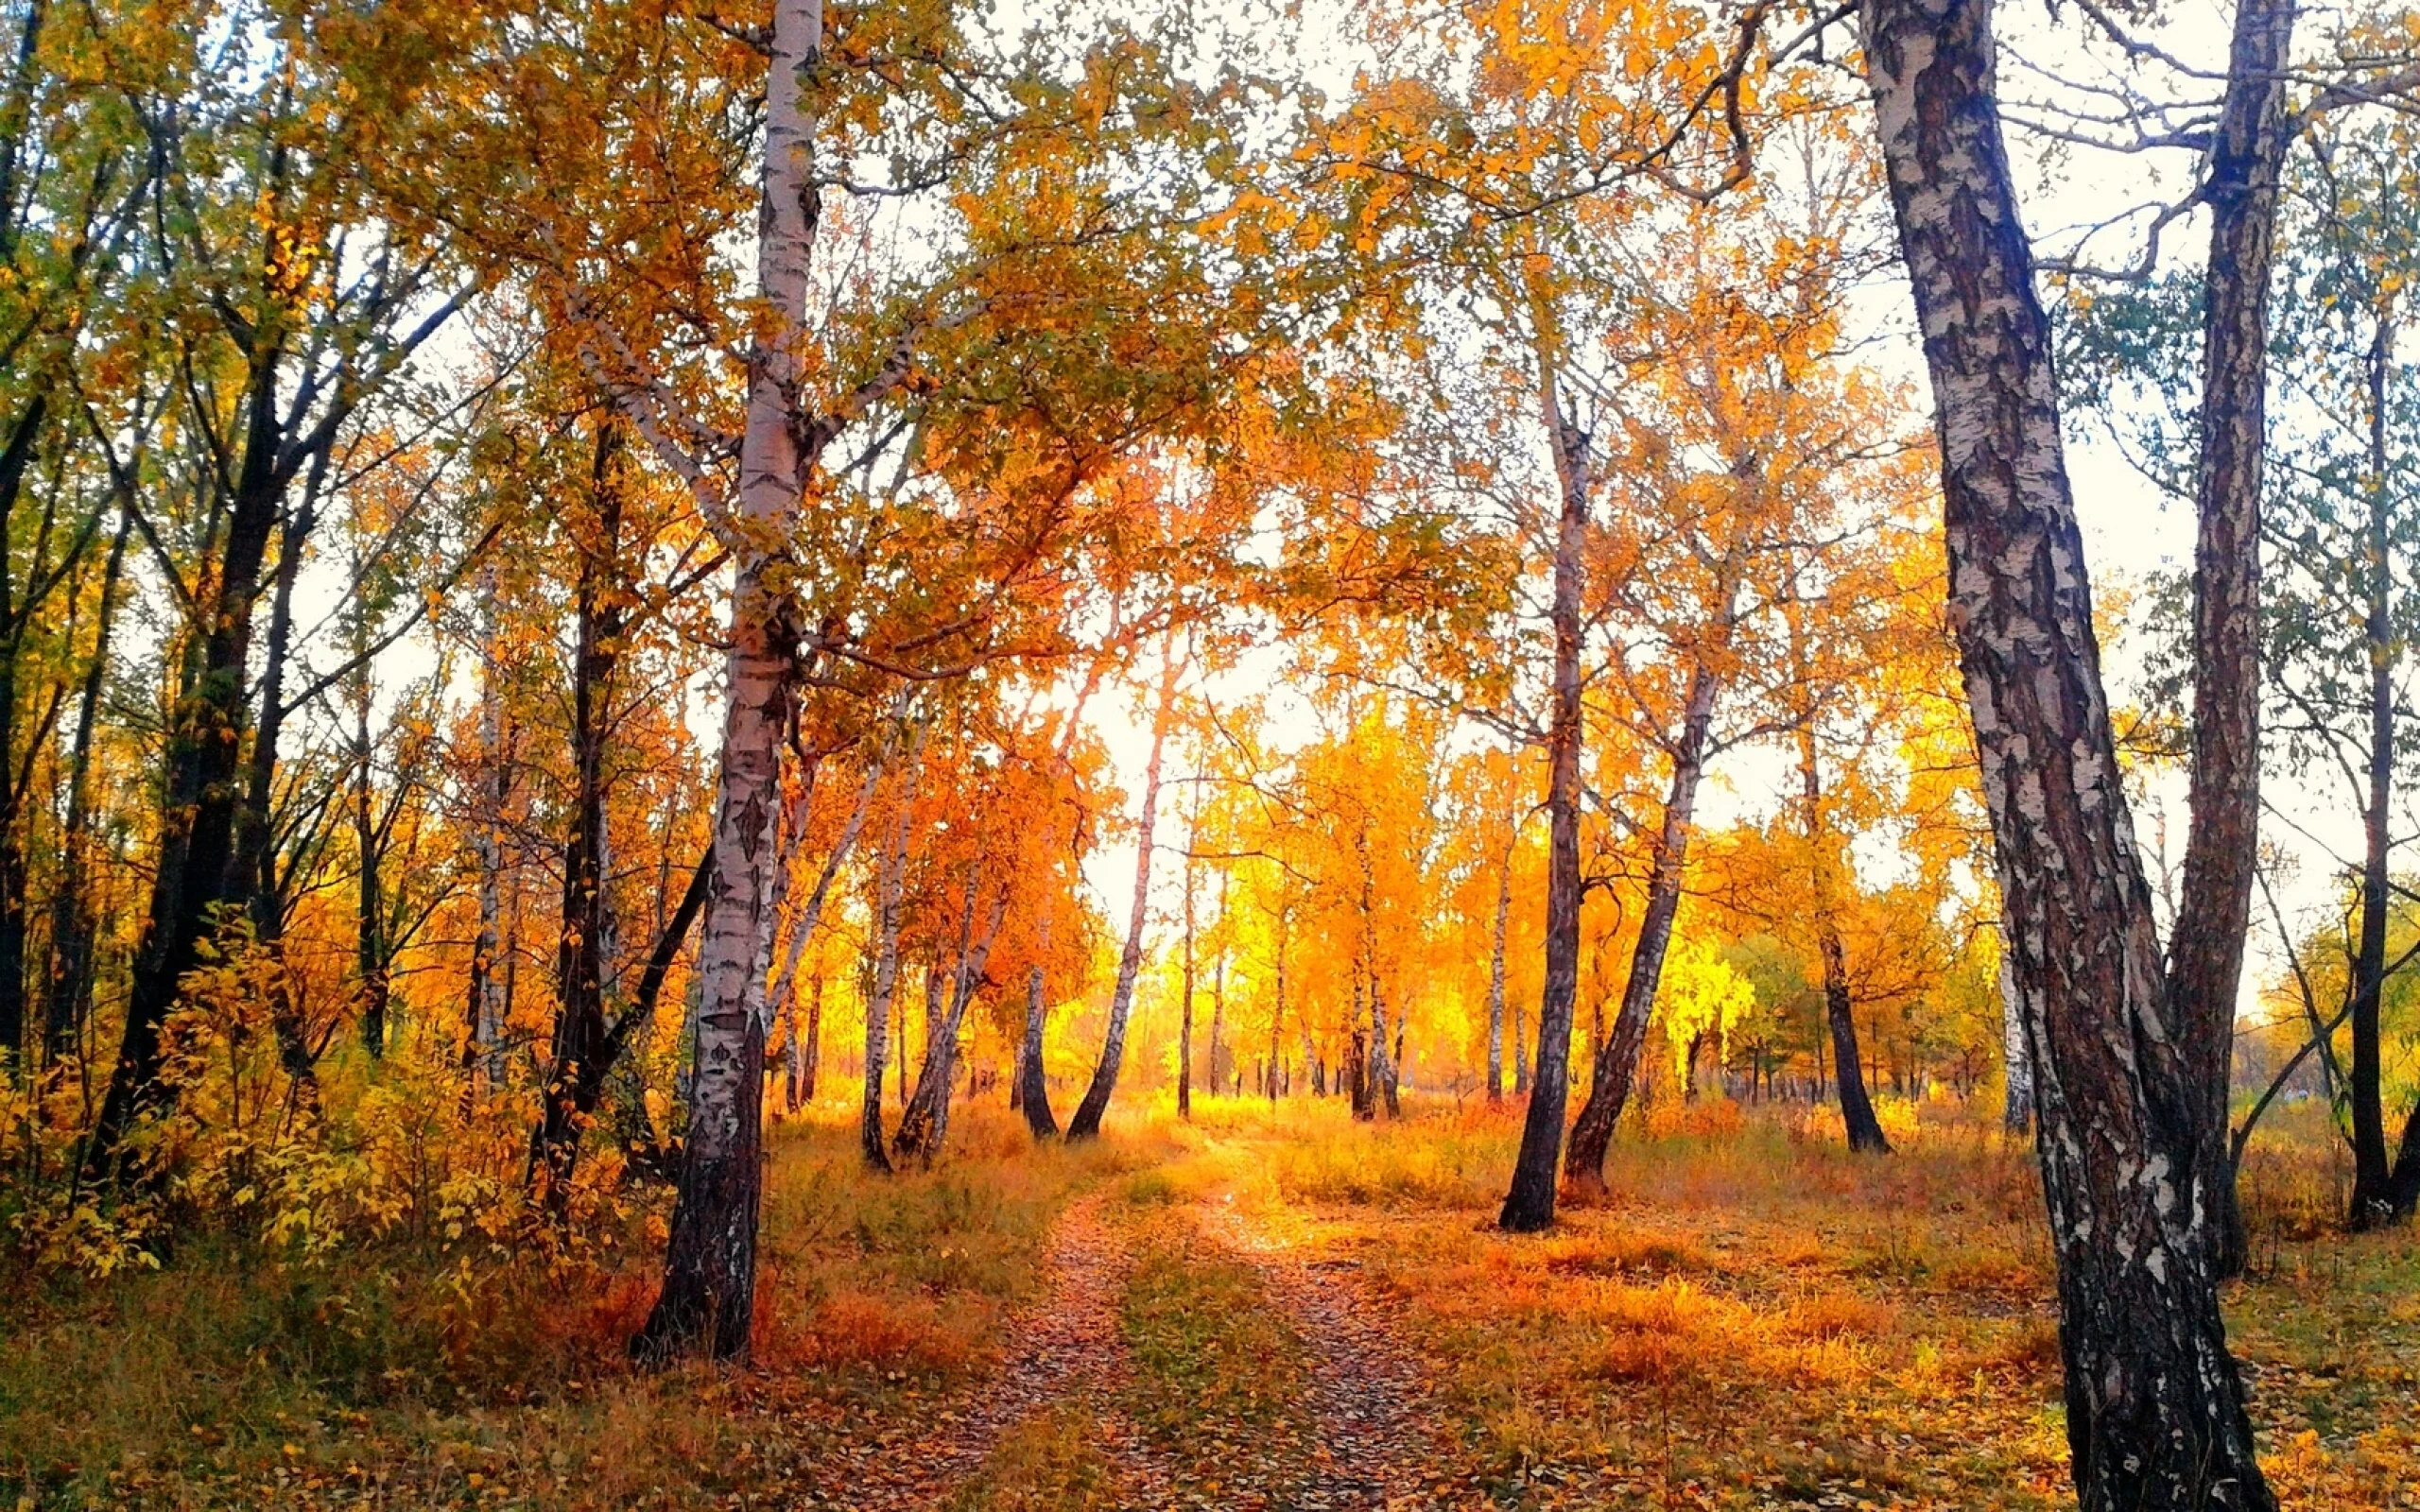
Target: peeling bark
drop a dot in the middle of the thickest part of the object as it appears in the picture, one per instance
(2155, 1415)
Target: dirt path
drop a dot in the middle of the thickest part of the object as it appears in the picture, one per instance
(1065, 1349)
(1372, 1419)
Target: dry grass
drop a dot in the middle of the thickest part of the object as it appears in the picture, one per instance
(1752, 1318)
(224, 1380)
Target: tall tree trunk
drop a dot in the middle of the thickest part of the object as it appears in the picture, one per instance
(579, 1042)
(198, 792)
(491, 793)
(1496, 981)
(2155, 1415)
(2214, 911)
(369, 897)
(1857, 1109)
(1530, 1205)
(710, 1263)
(14, 460)
(1185, 1012)
(2373, 1201)
(71, 923)
(1086, 1123)
(253, 875)
(1616, 1058)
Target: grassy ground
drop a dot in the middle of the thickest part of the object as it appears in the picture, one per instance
(1751, 1318)
(389, 1380)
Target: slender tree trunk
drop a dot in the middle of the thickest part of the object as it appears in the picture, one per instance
(491, 793)
(2373, 1201)
(1086, 1123)
(576, 1055)
(254, 875)
(2156, 1417)
(2214, 912)
(370, 897)
(1616, 1058)
(1865, 1134)
(14, 460)
(1496, 981)
(710, 1263)
(1857, 1109)
(1530, 1205)
(889, 886)
(1184, 1015)
(72, 922)
(814, 1039)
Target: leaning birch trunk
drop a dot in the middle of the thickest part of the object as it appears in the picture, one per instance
(1530, 1205)
(1616, 1061)
(2206, 957)
(710, 1262)
(1086, 1124)
(2156, 1417)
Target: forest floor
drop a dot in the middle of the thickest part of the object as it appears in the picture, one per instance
(1260, 1309)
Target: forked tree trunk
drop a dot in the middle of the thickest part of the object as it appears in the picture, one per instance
(1086, 1123)
(2156, 1417)
(1617, 1057)
(198, 792)
(925, 1124)
(710, 1263)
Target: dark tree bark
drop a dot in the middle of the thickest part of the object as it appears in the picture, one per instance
(1086, 1123)
(577, 1045)
(2214, 908)
(2373, 1200)
(1617, 1057)
(1857, 1109)
(202, 763)
(2155, 1415)
(72, 927)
